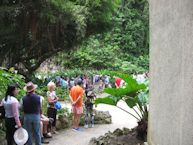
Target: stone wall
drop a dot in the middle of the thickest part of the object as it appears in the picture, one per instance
(171, 71)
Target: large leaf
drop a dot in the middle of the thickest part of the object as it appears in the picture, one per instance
(131, 89)
(131, 102)
(131, 84)
(116, 91)
(107, 100)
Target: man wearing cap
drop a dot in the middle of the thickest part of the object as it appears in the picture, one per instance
(76, 97)
(31, 104)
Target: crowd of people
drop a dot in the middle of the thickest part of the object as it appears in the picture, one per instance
(102, 81)
(40, 126)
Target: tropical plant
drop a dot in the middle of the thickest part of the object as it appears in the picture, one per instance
(136, 97)
(9, 77)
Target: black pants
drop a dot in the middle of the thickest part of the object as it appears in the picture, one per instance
(51, 113)
(10, 130)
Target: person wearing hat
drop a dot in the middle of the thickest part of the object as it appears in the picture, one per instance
(11, 106)
(76, 97)
(31, 104)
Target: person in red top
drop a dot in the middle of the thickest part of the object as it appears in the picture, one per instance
(118, 82)
(76, 97)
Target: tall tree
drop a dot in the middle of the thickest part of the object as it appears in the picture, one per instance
(33, 30)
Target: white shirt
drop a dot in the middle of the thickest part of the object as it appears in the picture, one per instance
(9, 113)
(51, 95)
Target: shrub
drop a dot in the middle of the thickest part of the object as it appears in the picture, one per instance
(8, 77)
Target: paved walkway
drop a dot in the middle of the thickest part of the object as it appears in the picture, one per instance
(120, 119)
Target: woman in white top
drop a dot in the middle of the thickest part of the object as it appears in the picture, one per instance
(52, 111)
(12, 121)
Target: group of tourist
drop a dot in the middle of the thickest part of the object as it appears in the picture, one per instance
(35, 122)
(42, 126)
(69, 82)
(102, 81)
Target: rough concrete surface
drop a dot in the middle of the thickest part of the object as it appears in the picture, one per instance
(171, 71)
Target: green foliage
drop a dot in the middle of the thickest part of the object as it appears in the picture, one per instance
(9, 77)
(93, 54)
(100, 10)
(64, 111)
(124, 47)
(62, 93)
(55, 25)
(34, 30)
(133, 21)
(106, 100)
(68, 73)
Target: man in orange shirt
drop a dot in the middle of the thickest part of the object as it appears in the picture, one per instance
(76, 97)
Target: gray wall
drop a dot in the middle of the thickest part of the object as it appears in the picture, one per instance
(171, 71)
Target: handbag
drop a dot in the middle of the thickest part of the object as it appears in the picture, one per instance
(57, 105)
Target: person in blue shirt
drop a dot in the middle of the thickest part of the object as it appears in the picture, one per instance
(63, 83)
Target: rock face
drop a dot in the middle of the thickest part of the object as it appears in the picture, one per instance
(63, 122)
(101, 117)
(118, 137)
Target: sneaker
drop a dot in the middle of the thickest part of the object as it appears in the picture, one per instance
(86, 126)
(47, 135)
(92, 126)
(77, 129)
(74, 129)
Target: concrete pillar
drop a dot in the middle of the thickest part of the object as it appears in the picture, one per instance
(171, 70)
